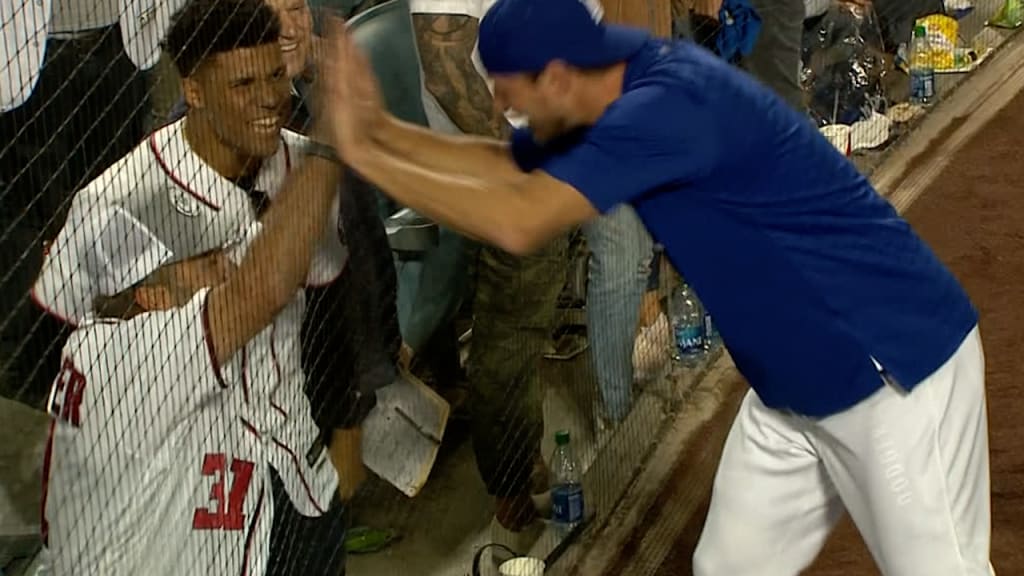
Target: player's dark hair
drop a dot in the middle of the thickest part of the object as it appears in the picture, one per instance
(204, 28)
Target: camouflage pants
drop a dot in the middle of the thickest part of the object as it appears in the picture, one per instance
(513, 319)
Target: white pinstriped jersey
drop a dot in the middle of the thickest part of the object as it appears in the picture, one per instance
(155, 464)
(127, 482)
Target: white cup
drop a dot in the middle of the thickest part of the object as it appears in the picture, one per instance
(839, 136)
(523, 566)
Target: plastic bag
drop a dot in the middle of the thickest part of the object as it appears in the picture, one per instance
(844, 65)
(943, 34)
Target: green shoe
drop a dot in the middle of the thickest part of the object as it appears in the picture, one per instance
(366, 540)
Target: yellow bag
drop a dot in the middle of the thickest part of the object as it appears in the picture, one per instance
(943, 34)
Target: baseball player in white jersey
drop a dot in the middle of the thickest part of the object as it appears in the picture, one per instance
(160, 456)
(166, 417)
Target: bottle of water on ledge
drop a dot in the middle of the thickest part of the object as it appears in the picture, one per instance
(567, 488)
(688, 326)
(922, 70)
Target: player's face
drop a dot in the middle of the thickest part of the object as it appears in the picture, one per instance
(296, 33)
(537, 98)
(243, 94)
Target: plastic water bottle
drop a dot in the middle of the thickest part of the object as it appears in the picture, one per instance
(922, 72)
(567, 488)
(687, 316)
(711, 339)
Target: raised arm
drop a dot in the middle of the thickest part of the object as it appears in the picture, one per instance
(278, 261)
(455, 183)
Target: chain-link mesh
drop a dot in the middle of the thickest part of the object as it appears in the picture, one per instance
(138, 156)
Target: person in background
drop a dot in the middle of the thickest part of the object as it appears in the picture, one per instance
(515, 297)
(621, 253)
(87, 109)
(775, 59)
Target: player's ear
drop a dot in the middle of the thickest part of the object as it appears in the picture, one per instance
(192, 92)
(150, 297)
(555, 78)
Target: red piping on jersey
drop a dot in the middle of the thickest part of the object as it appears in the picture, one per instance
(209, 344)
(44, 526)
(245, 373)
(35, 300)
(174, 177)
(248, 426)
(298, 469)
(249, 535)
(277, 370)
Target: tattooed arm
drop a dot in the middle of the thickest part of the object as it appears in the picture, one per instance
(446, 44)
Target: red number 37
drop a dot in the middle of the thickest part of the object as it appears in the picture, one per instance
(224, 513)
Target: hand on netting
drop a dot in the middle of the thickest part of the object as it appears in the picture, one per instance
(352, 98)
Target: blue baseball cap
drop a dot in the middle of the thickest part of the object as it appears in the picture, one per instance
(519, 36)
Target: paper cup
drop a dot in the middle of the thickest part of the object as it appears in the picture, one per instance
(839, 136)
(523, 566)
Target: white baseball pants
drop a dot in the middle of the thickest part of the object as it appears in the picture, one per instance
(911, 468)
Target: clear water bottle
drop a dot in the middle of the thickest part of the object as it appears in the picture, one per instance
(922, 72)
(687, 317)
(567, 487)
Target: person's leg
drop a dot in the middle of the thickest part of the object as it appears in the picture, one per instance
(913, 470)
(514, 311)
(775, 60)
(434, 297)
(773, 506)
(620, 265)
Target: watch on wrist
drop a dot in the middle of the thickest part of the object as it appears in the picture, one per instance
(325, 151)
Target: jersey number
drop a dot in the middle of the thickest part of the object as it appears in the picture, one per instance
(224, 513)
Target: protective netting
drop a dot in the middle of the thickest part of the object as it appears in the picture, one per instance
(128, 191)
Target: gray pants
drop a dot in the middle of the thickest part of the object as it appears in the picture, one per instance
(776, 56)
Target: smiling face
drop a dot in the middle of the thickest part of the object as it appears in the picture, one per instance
(296, 33)
(243, 95)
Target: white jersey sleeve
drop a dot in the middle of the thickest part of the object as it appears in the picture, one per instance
(136, 380)
(132, 402)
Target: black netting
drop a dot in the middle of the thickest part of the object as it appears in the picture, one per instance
(126, 191)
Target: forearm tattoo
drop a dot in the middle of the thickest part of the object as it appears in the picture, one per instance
(446, 43)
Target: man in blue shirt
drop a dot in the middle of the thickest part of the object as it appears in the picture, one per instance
(861, 348)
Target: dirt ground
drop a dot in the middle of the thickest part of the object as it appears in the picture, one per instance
(973, 216)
